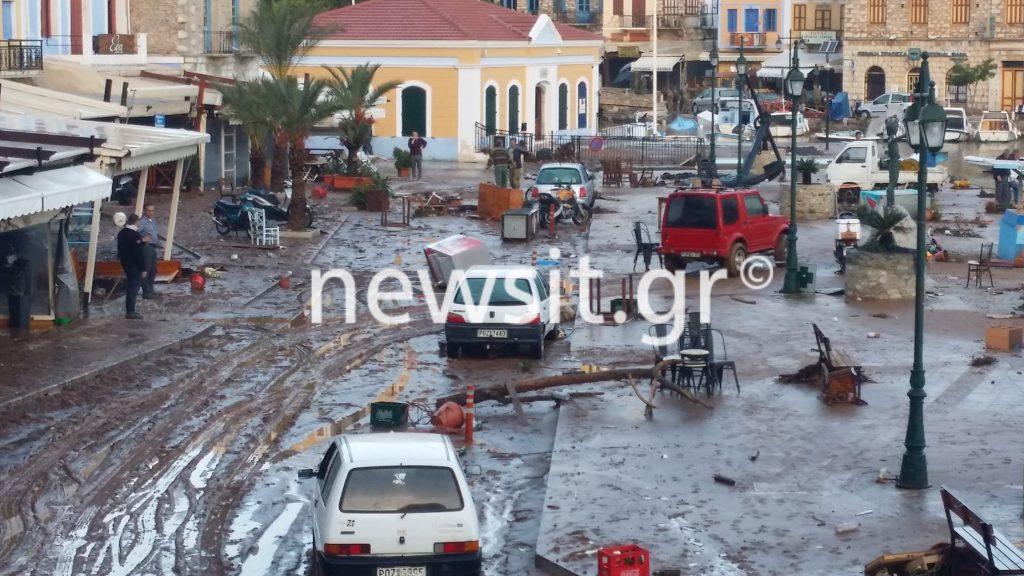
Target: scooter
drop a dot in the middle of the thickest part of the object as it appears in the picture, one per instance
(559, 204)
(269, 203)
(231, 216)
(124, 190)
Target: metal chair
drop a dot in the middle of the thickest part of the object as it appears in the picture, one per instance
(720, 361)
(666, 350)
(259, 232)
(645, 246)
(980, 266)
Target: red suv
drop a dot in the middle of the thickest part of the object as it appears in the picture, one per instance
(719, 226)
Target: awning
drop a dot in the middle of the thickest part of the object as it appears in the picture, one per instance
(20, 98)
(779, 65)
(645, 63)
(146, 97)
(48, 190)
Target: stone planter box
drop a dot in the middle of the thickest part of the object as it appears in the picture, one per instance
(813, 201)
(879, 276)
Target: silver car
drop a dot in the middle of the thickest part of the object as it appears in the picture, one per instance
(703, 101)
(557, 175)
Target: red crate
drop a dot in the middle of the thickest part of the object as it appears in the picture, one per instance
(629, 560)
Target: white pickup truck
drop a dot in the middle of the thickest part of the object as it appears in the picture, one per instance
(857, 166)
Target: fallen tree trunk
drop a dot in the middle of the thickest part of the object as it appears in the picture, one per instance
(500, 391)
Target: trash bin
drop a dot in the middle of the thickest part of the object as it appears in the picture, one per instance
(388, 414)
(628, 560)
(1011, 235)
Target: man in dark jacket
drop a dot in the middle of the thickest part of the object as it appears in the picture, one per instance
(19, 291)
(416, 146)
(133, 260)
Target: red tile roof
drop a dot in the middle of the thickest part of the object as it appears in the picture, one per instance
(435, 20)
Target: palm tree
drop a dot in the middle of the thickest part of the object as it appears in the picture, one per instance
(297, 109)
(355, 94)
(246, 102)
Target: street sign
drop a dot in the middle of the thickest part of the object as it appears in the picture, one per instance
(913, 54)
(596, 144)
(160, 121)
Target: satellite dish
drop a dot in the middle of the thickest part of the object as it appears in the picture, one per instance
(120, 219)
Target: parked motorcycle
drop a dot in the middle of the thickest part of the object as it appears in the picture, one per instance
(124, 189)
(231, 215)
(560, 204)
(269, 202)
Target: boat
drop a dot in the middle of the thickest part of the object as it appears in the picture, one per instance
(997, 127)
(843, 136)
(781, 123)
(733, 118)
(958, 128)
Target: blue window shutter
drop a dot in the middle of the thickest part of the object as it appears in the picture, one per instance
(770, 19)
(732, 20)
(750, 20)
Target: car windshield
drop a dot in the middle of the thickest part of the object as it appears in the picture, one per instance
(564, 175)
(692, 211)
(401, 489)
(499, 292)
(728, 93)
(955, 122)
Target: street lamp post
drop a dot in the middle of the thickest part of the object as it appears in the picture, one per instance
(795, 87)
(713, 60)
(925, 122)
(828, 103)
(741, 73)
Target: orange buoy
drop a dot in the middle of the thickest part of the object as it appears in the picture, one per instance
(449, 415)
(198, 282)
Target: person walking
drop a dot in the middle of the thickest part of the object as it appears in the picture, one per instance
(133, 260)
(416, 146)
(150, 244)
(500, 159)
(1002, 181)
(519, 154)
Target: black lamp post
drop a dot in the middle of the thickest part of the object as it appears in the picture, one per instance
(741, 73)
(795, 87)
(925, 123)
(713, 60)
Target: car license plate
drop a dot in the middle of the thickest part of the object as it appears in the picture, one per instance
(492, 333)
(402, 571)
(690, 254)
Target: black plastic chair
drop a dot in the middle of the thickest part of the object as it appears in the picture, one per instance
(666, 350)
(645, 246)
(719, 361)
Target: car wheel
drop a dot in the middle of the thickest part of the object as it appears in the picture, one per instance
(694, 109)
(864, 114)
(222, 228)
(737, 255)
(674, 263)
(537, 350)
(781, 249)
(453, 350)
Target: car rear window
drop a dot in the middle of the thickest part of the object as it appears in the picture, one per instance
(401, 489)
(499, 294)
(955, 122)
(566, 175)
(692, 211)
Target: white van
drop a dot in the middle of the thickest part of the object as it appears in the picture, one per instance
(393, 504)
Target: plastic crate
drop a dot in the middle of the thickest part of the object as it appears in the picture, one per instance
(388, 414)
(628, 560)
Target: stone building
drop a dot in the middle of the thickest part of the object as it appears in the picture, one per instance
(884, 39)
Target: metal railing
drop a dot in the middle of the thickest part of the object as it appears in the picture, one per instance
(591, 150)
(750, 39)
(21, 55)
(708, 18)
(576, 18)
(223, 42)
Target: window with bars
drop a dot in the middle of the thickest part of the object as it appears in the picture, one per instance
(876, 11)
(823, 19)
(960, 12)
(800, 16)
(913, 77)
(918, 11)
(956, 94)
(1015, 11)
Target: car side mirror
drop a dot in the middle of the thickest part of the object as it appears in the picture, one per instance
(306, 473)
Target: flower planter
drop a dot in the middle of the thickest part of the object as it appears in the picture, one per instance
(404, 172)
(377, 200)
(813, 202)
(880, 275)
(344, 182)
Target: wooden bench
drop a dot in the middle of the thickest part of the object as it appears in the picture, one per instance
(1000, 555)
(841, 375)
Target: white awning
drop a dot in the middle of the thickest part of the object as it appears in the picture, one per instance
(51, 190)
(778, 66)
(645, 63)
(20, 98)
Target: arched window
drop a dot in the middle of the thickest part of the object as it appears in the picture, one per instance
(513, 109)
(874, 83)
(491, 109)
(912, 79)
(581, 105)
(956, 94)
(414, 111)
(563, 106)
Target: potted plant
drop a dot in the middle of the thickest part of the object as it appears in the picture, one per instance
(880, 269)
(806, 167)
(374, 196)
(403, 162)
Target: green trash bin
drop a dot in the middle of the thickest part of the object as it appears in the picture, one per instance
(389, 414)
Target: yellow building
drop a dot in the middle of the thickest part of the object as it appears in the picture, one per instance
(463, 64)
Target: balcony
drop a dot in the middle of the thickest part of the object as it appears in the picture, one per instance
(224, 42)
(590, 19)
(748, 39)
(20, 57)
(708, 18)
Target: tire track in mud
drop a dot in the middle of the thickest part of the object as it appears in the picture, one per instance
(158, 472)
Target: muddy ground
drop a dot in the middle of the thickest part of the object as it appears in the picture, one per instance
(170, 445)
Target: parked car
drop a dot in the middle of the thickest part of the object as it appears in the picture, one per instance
(721, 227)
(393, 504)
(857, 168)
(880, 106)
(502, 318)
(703, 100)
(557, 175)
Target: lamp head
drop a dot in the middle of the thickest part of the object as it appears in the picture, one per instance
(741, 64)
(795, 83)
(713, 57)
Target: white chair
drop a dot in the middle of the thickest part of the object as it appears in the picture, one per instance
(259, 232)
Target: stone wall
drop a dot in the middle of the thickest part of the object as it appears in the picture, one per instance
(813, 201)
(158, 19)
(879, 276)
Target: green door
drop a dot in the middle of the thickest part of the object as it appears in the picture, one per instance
(563, 107)
(491, 109)
(513, 110)
(414, 111)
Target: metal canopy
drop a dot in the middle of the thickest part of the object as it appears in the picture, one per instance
(49, 190)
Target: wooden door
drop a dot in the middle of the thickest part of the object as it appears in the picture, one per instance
(538, 111)
(76, 26)
(1012, 85)
(639, 13)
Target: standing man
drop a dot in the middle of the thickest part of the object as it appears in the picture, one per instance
(416, 146)
(519, 154)
(1002, 180)
(500, 159)
(150, 244)
(19, 289)
(133, 260)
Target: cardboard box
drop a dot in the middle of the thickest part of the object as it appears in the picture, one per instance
(495, 201)
(1003, 338)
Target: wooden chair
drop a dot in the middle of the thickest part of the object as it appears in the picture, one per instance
(841, 375)
(980, 266)
(645, 246)
(612, 172)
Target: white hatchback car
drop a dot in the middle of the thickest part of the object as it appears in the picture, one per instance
(393, 504)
